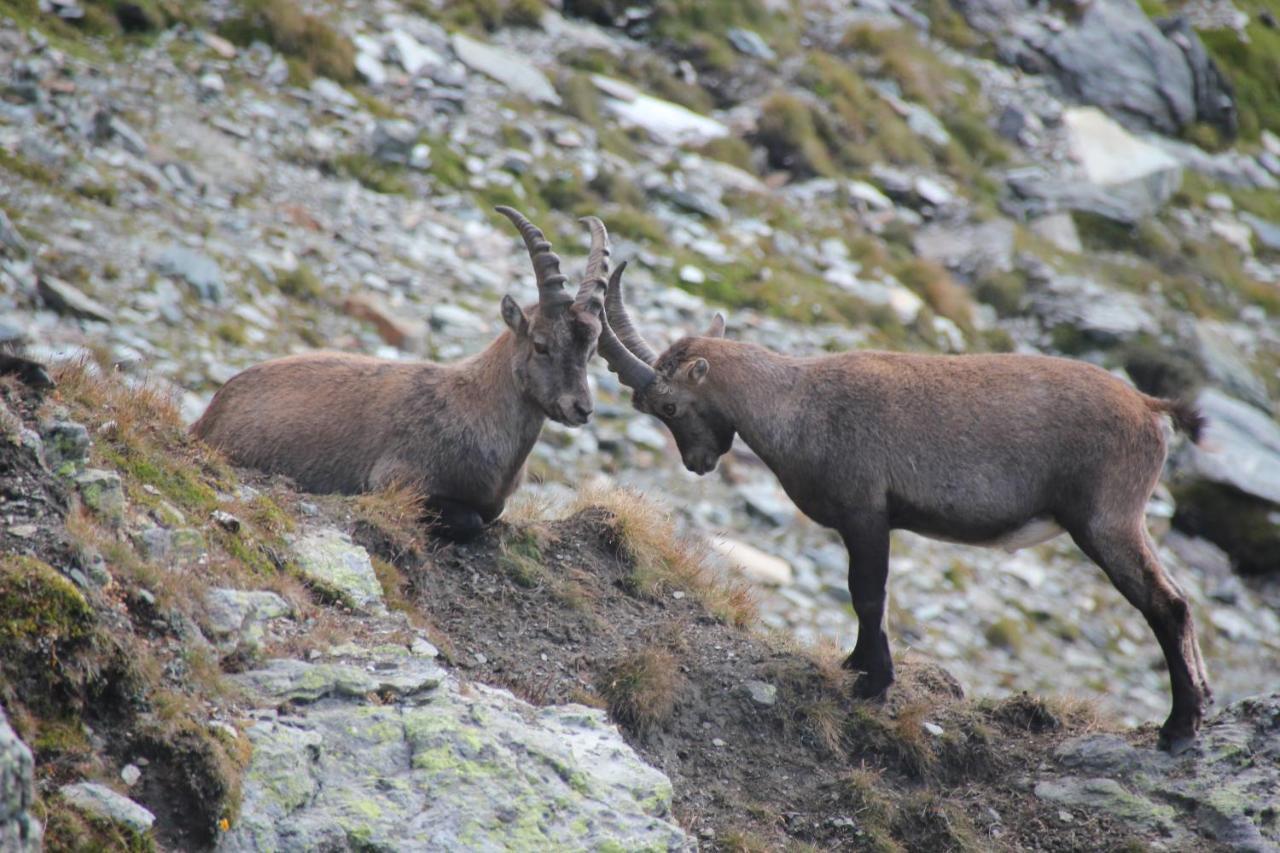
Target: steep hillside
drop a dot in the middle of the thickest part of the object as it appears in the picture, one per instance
(230, 664)
(189, 188)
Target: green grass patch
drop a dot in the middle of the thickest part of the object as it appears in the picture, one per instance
(315, 47)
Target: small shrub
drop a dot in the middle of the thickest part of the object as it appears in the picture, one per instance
(301, 282)
(642, 688)
(789, 135)
(308, 39)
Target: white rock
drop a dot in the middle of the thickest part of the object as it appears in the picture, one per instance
(1109, 154)
(752, 563)
(666, 122)
(103, 802)
(690, 274)
(412, 54)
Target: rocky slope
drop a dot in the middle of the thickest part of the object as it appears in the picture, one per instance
(190, 188)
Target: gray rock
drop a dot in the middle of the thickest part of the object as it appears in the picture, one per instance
(414, 57)
(333, 93)
(102, 492)
(236, 617)
(1097, 312)
(1241, 447)
(484, 771)
(66, 299)
(749, 43)
(507, 68)
(1136, 171)
(101, 801)
(1110, 797)
(762, 693)
(288, 680)
(766, 500)
(1226, 790)
(20, 831)
(1266, 233)
(65, 443)
(392, 140)
(1111, 55)
(329, 557)
(1060, 230)
(970, 249)
(197, 269)
(1226, 365)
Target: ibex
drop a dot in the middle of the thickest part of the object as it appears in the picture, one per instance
(1000, 450)
(457, 433)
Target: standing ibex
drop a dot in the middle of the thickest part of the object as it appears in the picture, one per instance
(1003, 450)
(457, 433)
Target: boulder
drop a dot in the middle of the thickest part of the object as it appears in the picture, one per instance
(197, 269)
(752, 563)
(457, 768)
(102, 802)
(1110, 54)
(328, 557)
(1224, 794)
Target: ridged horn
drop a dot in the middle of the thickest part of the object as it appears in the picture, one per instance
(593, 282)
(616, 311)
(546, 263)
(632, 371)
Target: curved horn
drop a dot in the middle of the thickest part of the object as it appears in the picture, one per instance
(632, 372)
(620, 320)
(593, 281)
(546, 263)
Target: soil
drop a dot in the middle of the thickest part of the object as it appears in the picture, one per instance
(746, 775)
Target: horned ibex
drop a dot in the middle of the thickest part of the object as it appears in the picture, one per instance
(1003, 450)
(457, 433)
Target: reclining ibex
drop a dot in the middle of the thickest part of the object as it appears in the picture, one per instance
(1003, 450)
(457, 433)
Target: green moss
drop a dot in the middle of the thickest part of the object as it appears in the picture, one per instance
(1161, 371)
(301, 282)
(731, 150)
(314, 46)
(522, 560)
(372, 173)
(448, 164)
(231, 331)
(105, 193)
(1005, 633)
(1252, 65)
(24, 168)
(579, 97)
(69, 830)
(789, 134)
(39, 608)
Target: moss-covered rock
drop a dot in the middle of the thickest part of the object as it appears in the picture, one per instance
(1246, 527)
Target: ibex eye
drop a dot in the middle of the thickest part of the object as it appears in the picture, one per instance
(669, 409)
(540, 348)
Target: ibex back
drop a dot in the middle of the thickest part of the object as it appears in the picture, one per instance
(1004, 450)
(459, 433)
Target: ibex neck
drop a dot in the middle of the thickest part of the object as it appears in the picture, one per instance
(492, 369)
(754, 387)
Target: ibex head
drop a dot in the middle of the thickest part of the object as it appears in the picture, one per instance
(669, 386)
(556, 338)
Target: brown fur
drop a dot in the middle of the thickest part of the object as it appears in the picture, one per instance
(966, 448)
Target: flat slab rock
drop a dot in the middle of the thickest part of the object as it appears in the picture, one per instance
(328, 556)
(1227, 789)
(458, 768)
(101, 801)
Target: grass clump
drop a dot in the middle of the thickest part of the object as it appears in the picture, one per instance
(42, 614)
(491, 15)
(642, 688)
(1252, 64)
(67, 828)
(143, 437)
(315, 47)
(662, 560)
(371, 173)
(301, 283)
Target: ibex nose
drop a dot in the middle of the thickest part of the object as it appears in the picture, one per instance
(575, 411)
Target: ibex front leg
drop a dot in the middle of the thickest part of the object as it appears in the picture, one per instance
(866, 535)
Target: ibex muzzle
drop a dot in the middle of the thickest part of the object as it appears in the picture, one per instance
(1002, 450)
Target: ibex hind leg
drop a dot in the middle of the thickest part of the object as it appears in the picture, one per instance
(454, 521)
(1202, 673)
(1122, 551)
(867, 538)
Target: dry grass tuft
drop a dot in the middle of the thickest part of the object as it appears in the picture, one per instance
(663, 560)
(874, 810)
(642, 688)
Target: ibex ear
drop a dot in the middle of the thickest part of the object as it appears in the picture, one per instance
(513, 315)
(696, 371)
(716, 329)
